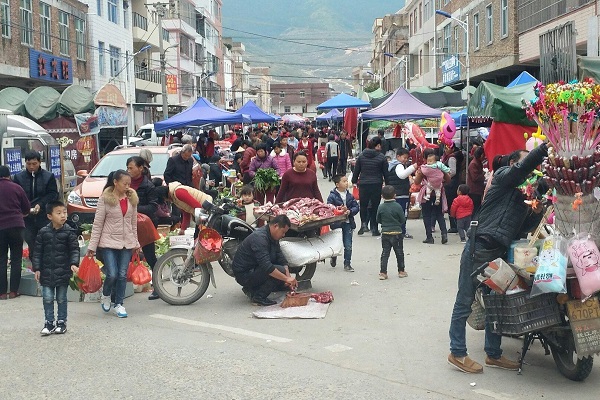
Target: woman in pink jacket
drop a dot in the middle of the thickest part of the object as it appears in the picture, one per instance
(114, 234)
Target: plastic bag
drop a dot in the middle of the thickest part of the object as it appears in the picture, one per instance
(137, 272)
(551, 273)
(146, 230)
(90, 275)
(585, 258)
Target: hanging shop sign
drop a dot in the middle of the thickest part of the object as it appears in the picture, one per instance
(48, 67)
(171, 84)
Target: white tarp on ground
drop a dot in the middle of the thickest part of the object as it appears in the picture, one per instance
(302, 251)
(312, 310)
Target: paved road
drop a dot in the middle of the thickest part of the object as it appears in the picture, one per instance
(380, 340)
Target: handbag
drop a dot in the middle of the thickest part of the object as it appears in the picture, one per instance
(477, 318)
(146, 230)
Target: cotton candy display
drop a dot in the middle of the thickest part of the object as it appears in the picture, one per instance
(551, 274)
(585, 258)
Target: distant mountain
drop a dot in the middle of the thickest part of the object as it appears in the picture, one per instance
(338, 33)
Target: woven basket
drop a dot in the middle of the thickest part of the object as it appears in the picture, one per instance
(208, 246)
(295, 300)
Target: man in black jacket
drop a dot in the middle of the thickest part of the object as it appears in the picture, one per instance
(260, 266)
(369, 172)
(40, 187)
(179, 167)
(503, 217)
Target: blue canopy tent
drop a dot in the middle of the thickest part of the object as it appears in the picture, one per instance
(255, 113)
(524, 77)
(202, 112)
(343, 100)
(460, 118)
(333, 115)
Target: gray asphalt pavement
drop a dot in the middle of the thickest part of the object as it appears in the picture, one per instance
(380, 340)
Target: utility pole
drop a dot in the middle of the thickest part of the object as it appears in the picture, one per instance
(161, 12)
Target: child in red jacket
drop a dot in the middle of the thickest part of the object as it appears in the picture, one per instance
(462, 210)
(322, 159)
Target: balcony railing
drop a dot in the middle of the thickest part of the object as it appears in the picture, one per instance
(146, 74)
(140, 21)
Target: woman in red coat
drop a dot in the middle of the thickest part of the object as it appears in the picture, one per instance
(307, 146)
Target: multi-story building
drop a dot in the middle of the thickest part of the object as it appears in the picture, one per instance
(228, 75)
(212, 79)
(260, 87)
(421, 66)
(493, 42)
(299, 98)
(240, 73)
(552, 34)
(44, 43)
(390, 43)
(361, 77)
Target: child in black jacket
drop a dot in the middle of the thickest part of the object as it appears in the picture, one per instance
(341, 197)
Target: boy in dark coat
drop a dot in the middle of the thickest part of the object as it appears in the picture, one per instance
(390, 215)
(341, 197)
(55, 259)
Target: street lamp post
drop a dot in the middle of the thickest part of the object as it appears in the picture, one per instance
(403, 59)
(279, 107)
(465, 25)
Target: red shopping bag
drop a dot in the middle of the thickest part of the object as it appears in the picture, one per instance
(146, 230)
(137, 272)
(90, 275)
(355, 192)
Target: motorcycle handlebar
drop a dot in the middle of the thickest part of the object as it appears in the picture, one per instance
(479, 270)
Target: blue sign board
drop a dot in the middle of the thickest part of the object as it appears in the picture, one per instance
(49, 67)
(450, 70)
(12, 159)
(55, 161)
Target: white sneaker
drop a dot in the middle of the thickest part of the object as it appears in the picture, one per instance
(120, 311)
(48, 329)
(105, 303)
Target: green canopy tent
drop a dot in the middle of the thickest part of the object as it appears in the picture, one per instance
(502, 108)
(13, 99)
(75, 100)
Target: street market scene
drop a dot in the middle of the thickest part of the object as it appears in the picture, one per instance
(257, 200)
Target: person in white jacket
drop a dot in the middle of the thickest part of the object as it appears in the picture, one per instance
(399, 172)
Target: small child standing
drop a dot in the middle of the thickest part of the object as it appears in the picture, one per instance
(322, 159)
(247, 202)
(462, 210)
(55, 259)
(390, 215)
(434, 172)
(341, 197)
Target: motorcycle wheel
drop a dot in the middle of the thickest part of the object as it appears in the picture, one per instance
(304, 273)
(173, 288)
(567, 362)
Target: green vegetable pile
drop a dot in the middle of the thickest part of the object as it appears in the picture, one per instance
(266, 179)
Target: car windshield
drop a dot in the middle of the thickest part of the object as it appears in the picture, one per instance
(112, 162)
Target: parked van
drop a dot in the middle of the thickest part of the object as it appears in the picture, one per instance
(146, 136)
(19, 131)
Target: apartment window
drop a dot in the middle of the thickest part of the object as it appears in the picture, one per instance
(45, 27)
(99, 7)
(101, 61)
(476, 31)
(420, 15)
(112, 11)
(447, 39)
(428, 9)
(489, 27)
(80, 38)
(115, 60)
(412, 22)
(63, 32)
(185, 46)
(281, 95)
(125, 19)
(302, 94)
(165, 34)
(5, 18)
(287, 109)
(457, 30)
(26, 22)
(504, 18)
(416, 20)
(420, 62)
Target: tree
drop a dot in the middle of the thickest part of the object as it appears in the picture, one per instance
(371, 87)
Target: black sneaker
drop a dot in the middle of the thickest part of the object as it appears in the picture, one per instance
(153, 296)
(376, 233)
(362, 230)
(262, 301)
(333, 261)
(348, 268)
(247, 292)
(428, 241)
(408, 236)
(452, 230)
(444, 239)
(61, 327)
(48, 328)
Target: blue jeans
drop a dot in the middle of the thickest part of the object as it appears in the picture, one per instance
(116, 262)
(347, 241)
(404, 201)
(48, 295)
(462, 308)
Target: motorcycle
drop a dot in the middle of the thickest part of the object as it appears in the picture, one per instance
(559, 339)
(179, 280)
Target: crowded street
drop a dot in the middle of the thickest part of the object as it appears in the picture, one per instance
(379, 340)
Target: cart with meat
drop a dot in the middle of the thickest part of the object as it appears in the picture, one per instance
(306, 242)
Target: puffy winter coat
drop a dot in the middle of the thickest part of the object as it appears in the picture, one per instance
(504, 216)
(462, 207)
(195, 193)
(55, 251)
(400, 183)
(41, 189)
(111, 229)
(336, 199)
(371, 167)
(260, 163)
(147, 199)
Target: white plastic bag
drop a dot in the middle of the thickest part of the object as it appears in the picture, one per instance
(551, 273)
(302, 251)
